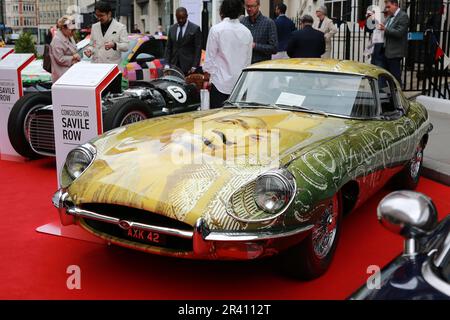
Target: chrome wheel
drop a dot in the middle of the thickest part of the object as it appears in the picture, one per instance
(132, 117)
(324, 232)
(416, 162)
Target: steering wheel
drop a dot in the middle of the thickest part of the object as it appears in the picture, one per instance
(173, 71)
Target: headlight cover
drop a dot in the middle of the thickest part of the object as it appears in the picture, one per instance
(79, 159)
(263, 199)
(274, 191)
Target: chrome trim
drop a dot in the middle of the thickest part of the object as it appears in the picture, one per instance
(32, 118)
(86, 148)
(277, 173)
(408, 213)
(442, 253)
(248, 236)
(202, 236)
(79, 213)
(433, 280)
(410, 247)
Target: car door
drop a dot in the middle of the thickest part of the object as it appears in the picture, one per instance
(396, 129)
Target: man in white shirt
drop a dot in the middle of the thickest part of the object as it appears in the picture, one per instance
(228, 51)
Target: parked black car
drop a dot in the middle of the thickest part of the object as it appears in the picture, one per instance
(422, 271)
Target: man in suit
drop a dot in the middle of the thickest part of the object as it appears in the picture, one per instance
(109, 38)
(306, 42)
(285, 27)
(326, 25)
(395, 37)
(184, 43)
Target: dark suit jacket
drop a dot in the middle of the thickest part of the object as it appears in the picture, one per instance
(396, 36)
(285, 27)
(306, 43)
(186, 53)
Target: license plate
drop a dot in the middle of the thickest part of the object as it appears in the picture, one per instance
(145, 236)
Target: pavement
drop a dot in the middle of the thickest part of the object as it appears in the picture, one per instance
(437, 153)
(436, 164)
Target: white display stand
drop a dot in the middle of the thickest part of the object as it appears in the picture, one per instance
(10, 91)
(4, 52)
(77, 109)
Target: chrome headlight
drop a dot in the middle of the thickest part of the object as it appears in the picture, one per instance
(264, 199)
(79, 159)
(274, 191)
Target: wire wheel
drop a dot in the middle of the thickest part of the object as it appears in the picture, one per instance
(132, 117)
(324, 232)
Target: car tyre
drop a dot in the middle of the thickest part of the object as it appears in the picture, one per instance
(126, 111)
(409, 177)
(312, 257)
(18, 122)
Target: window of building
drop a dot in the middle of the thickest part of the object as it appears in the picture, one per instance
(338, 9)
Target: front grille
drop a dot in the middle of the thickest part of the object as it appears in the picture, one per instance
(42, 136)
(141, 216)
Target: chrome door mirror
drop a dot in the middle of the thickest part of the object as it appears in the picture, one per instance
(408, 213)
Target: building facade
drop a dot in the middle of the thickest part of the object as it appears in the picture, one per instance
(21, 15)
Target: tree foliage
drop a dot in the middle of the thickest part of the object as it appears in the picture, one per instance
(25, 44)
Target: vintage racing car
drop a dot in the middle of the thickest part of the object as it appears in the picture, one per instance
(299, 144)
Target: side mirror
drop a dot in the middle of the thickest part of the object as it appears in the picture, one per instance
(143, 58)
(410, 214)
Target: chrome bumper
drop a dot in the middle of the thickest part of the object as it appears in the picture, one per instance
(207, 244)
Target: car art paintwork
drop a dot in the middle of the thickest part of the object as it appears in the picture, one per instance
(132, 71)
(322, 153)
(134, 166)
(320, 65)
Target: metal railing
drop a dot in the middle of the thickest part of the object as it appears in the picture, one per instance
(421, 72)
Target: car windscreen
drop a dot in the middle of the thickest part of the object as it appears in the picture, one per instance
(333, 93)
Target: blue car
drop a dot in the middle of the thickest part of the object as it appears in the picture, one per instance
(422, 271)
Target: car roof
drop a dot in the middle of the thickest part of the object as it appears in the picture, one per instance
(321, 65)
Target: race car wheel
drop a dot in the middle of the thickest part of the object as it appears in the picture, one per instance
(312, 257)
(409, 177)
(19, 122)
(125, 112)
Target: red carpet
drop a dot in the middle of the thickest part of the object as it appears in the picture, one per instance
(33, 265)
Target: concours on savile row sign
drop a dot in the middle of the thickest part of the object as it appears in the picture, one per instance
(326, 177)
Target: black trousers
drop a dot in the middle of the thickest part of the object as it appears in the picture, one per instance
(378, 57)
(394, 66)
(216, 98)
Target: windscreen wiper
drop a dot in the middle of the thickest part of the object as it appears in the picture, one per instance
(297, 108)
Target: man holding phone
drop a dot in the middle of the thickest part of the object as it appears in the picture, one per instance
(109, 38)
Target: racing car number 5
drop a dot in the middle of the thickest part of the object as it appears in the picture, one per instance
(178, 93)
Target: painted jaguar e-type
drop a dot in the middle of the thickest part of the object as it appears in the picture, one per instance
(299, 144)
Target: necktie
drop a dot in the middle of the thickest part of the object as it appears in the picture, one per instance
(320, 24)
(389, 22)
(180, 34)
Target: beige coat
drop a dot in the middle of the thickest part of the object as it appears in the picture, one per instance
(61, 54)
(329, 30)
(116, 33)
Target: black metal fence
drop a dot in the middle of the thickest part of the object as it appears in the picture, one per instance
(422, 71)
